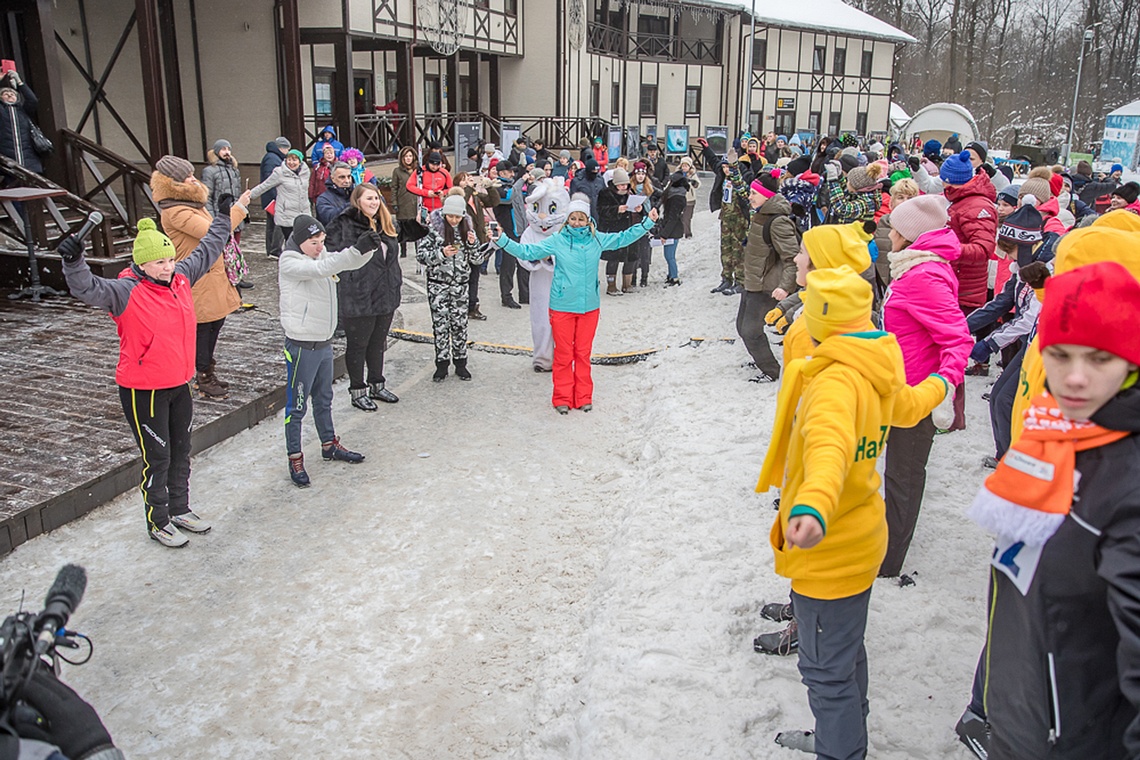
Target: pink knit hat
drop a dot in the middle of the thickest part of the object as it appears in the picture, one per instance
(918, 215)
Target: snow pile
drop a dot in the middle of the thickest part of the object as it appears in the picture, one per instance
(832, 16)
(499, 581)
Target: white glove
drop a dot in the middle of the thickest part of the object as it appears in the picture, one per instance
(831, 171)
(943, 414)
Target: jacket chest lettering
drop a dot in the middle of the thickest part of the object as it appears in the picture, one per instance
(870, 448)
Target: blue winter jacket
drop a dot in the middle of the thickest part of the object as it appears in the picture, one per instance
(319, 146)
(576, 252)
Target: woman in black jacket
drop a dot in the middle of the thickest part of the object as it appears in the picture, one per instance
(614, 216)
(672, 227)
(369, 296)
(17, 115)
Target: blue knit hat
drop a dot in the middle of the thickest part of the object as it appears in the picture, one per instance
(957, 170)
(1116, 168)
(932, 148)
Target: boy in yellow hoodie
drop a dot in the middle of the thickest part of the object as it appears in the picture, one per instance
(835, 411)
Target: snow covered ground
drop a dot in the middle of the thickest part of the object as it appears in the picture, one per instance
(499, 581)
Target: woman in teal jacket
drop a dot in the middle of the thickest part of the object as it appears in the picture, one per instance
(574, 295)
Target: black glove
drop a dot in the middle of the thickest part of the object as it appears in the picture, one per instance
(70, 249)
(914, 163)
(225, 204)
(368, 242)
(64, 719)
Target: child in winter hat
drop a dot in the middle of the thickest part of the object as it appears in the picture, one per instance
(307, 283)
(830, 536)
(957, 169)
(920, 215)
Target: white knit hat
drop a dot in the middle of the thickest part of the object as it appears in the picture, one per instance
(454, 205)
(580, 202)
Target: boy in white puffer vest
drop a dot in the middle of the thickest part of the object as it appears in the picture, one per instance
(306, 278)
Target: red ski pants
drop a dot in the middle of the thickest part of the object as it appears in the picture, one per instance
(573, 342)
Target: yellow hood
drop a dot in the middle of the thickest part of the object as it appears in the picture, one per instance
(876, 354)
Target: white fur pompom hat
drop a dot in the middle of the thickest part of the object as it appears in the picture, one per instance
(579, 202)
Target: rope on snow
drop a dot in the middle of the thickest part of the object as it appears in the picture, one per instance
(627, 357)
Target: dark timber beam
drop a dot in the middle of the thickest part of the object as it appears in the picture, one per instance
(44, 76)
(289, 41)
(150, 59)
(169, 36)
(406, 91)
(453, 83)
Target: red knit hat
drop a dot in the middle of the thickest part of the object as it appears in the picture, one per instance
(1056, 183)
(1095, 305)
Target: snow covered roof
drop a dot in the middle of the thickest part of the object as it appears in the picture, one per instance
(1132, 109)
(832, 16)
(942, 119)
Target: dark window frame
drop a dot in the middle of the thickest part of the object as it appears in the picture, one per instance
(595, 98)
(818, 59)
(696, 111)
(650, 90)
(867, 64)
(839, 62)
(760, 54)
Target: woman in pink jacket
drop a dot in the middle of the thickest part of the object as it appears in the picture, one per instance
(921, 309)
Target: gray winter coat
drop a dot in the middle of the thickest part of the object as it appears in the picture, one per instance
(292, 193)
(308, 302)
(767, 267)
(221, 177)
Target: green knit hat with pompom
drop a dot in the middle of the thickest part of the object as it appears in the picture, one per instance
(150, 244)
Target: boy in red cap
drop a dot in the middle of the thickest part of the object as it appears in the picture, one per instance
(1062, 655)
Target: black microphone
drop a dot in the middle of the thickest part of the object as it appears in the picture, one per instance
(94, 219)
(62, 599)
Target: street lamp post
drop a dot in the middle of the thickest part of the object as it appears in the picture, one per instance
(1088, 37)
(748, 71)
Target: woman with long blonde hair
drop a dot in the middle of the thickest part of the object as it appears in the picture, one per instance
(369, 296)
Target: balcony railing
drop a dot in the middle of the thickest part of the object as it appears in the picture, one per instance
(606, 40)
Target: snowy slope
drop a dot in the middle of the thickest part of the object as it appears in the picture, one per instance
(499, 581)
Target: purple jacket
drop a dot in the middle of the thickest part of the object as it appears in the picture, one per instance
(922, 310)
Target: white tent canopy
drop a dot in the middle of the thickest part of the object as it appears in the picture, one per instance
(898, 118)
(938, 121)
(1132, 109)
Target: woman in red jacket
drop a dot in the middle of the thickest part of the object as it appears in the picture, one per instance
(154, 312)
(430, 183)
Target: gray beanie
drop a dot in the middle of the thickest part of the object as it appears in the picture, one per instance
(564, 154)
(178, 169)
(454, 205)
(283, 143)
(222, 144)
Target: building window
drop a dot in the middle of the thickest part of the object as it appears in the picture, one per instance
(483, 5)
(692, 101)
(595, 98)
(467, 96)
(839, 62)
(615, 100)
(833, 124)
(760, 55)
(818, 56)
(649, 100)
(391, 86)
(861, 123)
(653, 37)
(432, 94)
(511, 7)
(867, 64)
(785, 123)
(322, 93)
(815, 118)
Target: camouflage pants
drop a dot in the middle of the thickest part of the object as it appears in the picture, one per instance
(733, 228)
(448, 302)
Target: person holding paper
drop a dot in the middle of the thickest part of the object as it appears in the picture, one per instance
(615, 215)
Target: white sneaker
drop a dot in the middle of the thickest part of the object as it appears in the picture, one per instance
(168, 535)
(191, 522)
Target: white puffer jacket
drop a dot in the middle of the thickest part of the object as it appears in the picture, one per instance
(308, 290)
(292, 193)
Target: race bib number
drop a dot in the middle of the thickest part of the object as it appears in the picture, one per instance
(1017, 560)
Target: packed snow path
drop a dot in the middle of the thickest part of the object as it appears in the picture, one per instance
(500, 581)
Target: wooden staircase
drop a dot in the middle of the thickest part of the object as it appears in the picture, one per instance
(99, 180)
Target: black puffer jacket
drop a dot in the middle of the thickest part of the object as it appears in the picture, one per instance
(374, 289)
(673, 207)
(1064, 659)
(16, 121)
(610, 219)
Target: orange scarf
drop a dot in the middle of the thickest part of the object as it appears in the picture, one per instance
(1031, 492)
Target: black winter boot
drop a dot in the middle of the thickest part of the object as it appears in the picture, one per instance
(441, 366)
(461, 369)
